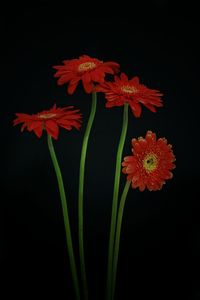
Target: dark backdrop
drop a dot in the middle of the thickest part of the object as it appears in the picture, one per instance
(160, 243)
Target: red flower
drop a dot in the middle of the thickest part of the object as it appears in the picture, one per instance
(150, 164)
(50, 120)
(89, 70)
(123, 90)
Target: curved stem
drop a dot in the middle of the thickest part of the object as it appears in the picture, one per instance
(118, 232)
(115, 201)
(65, 217)
(80, 194)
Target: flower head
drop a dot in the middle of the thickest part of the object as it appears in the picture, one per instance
(150, 164)
(89, 70)
(50, 120)
(132, 91)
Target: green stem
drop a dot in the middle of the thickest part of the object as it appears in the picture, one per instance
(118, 232)
(80, 194)
(115, 202)
(65, 217)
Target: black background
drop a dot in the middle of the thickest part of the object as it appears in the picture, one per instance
(160, 243)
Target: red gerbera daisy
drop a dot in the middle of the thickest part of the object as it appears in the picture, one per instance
(150, 164)
(50, 120)
(132, 91)
(89, 70)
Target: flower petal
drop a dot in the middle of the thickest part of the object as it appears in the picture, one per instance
(71, 88)
(136, 109)
(38, 131)
(87, 83)
(124, 77)
(52, 128)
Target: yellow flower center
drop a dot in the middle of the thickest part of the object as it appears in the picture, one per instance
(150, 162)
(129, 89)
(47, 116)
(86, 66)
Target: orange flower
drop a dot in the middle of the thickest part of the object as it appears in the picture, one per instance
(50, 120)
(132, 91)
(150, 164)
(89, 70)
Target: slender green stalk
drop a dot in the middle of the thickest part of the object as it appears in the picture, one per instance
(80, 194)
(115, 201)
(65, 217)
(118, 232)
